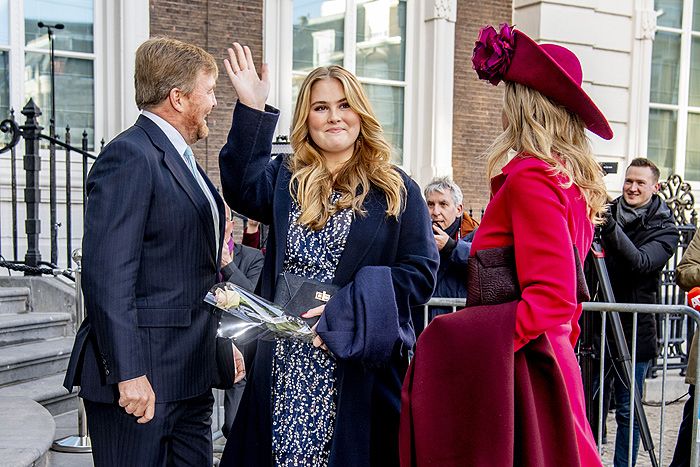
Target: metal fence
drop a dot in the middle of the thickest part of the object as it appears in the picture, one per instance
(34, 138)
(658, 451)
(661, 452)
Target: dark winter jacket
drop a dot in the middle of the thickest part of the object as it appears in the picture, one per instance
(635, 254)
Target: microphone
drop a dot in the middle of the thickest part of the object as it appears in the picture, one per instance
(694, 298)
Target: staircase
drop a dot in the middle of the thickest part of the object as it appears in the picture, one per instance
(35, 344)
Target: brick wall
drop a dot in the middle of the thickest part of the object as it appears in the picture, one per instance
(212, 25)
(477, 104)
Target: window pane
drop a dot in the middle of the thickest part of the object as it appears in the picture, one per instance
(387, 102)
(4, 91)
(673, 12)
(296, 84)
(694, 97)
(696, 15)
(75, 15)
(75, 104)
(665, 66)
(318, 33)
(692, 154)
(381, 39)
(662, 139)
(4, 22)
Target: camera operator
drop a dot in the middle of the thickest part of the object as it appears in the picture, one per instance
(639, 236)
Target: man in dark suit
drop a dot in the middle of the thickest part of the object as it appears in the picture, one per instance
(145, 357)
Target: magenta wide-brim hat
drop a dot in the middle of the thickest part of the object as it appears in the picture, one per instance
(552, 70)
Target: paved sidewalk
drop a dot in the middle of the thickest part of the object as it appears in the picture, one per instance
(672, 420)
(67, 425)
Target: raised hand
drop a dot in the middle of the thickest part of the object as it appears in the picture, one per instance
(251, 89)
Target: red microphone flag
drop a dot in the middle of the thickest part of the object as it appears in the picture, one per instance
(694, 298)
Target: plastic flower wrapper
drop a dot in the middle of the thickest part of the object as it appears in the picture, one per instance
(254, 316)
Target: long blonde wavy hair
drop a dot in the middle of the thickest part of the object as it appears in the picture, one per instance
(546, 130)
(312, 183)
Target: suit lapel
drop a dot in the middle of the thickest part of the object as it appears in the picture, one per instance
(174, 162)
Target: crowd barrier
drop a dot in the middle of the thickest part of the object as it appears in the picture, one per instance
(667, 317)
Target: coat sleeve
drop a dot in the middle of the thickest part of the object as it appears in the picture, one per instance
(460, 254)
(247, 173)
(118, 198)
(647, 258)
(544, 253)
(688, 270)
(370, 318)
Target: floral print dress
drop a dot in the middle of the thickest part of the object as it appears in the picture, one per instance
(304, 390)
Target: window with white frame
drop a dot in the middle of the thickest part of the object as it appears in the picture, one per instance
(4, 59)
(25, 62)
(674, 107)
(368, 37)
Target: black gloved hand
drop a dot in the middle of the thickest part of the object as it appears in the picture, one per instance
(609, 225)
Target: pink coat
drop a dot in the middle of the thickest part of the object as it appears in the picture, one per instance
(531, 210)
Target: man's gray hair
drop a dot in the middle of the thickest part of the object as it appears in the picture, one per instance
(441, 185)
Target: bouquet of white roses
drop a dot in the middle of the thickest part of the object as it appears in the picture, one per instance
(254, 316)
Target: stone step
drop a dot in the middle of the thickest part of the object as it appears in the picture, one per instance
(26, 432)
(23, 362)
(67, 425)
(28, 327)
(13, 300)
(48, 391)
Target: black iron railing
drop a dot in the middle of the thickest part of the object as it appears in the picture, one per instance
(679, 197)
(32, 134)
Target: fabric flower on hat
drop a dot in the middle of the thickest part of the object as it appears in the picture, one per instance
(493, 52)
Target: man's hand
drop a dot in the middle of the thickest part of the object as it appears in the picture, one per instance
(226, 256)
(239, 363)
(441, 237)
(608, 226)
(251, 89)
(138, 399)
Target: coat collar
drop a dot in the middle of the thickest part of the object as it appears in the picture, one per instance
(174, 162)
(520, 159)
(360, 238)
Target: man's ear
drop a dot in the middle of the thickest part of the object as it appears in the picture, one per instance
(657, 187)
(460, 209)
(175, 97)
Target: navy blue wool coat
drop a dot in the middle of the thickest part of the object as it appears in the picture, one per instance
(388, 266)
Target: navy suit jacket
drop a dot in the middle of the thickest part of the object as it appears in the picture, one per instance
(149, 258)
(387, 266)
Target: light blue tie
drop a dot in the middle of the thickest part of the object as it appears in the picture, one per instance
(189, 158)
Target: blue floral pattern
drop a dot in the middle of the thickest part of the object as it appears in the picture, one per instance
(304, 390)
